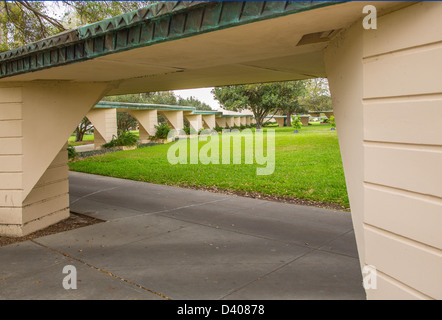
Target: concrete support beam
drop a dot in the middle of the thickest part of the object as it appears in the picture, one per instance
(221, 122)
(195, 121)
(175, 118)
(280, 122)
(392, 170)
(248, 121)
(105, 125)
(237, 121)
(147, 120)
(209, 121)
(230, 122)
(34, 177)
(328, 114)
(304, 120)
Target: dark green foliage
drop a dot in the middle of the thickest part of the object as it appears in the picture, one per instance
(72, 154)
(162, 131)
(126, 138)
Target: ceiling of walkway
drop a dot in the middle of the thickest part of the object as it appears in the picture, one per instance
(286, 47)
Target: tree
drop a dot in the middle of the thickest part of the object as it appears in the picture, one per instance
(84, 126)
(262, 99)
(317, 97)
(22, 22)
(291, 93)
(194, 102)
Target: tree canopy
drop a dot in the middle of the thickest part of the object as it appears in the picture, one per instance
(317, 97)
(262, 98)
(22, 22)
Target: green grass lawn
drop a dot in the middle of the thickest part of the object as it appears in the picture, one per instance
(307, 166)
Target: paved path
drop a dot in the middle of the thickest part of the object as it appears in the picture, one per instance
(162, 241)
(84, 147)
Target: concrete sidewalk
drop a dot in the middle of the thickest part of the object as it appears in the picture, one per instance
(162, 241)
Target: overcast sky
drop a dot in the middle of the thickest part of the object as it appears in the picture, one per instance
(202, 94)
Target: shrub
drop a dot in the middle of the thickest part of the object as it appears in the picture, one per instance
(162, 131)
(72, 154)
(296, 123)
(332, 122)
(126, 138)
(218, 129)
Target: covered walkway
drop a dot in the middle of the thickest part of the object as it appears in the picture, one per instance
(392, 168)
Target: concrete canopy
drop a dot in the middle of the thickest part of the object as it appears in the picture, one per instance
(392, 168)
(190, 44)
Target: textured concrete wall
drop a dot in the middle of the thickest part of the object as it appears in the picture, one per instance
(393, 164)
(33, 157)
(105, 125)
(147, 120)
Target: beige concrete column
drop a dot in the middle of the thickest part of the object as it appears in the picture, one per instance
(304, 120)
(230, 122)
(105, 125)
(209, 121)
(36, 121)
(147, 120)
(175, 118)
(280, 122)
(243, 121)
(221, 122)
(328, 114)
(393, 168)
(248, 121)
(195, 121)
(237, 121)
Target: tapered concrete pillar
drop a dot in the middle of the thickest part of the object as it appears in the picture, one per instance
(36, 121)
(230, 122)
(304, 120)
(175, 118)
(105, 125)
(209, 121)
(248, 121)
(243, 121)
(195, 121)
(237, 121)
(393, 168)
(280, 122)
(147, 120)
(221, 122)
(328, 114)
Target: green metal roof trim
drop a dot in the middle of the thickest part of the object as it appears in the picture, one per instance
(159, 22)
(140, 106)
(236, 115)
(207, 112)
